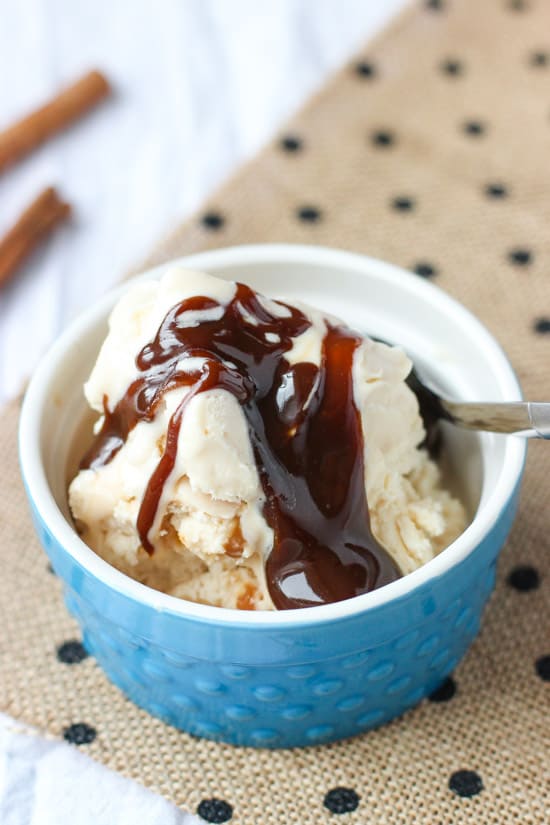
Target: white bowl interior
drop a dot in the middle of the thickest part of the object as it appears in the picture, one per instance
(442, 337)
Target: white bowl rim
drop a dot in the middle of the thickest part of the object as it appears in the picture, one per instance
(42, 497)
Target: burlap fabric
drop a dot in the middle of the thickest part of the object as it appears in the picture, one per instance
(453, 99)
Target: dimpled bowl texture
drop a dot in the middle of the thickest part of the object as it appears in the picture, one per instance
(300, 677)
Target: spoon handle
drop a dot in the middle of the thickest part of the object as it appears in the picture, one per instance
(527, 418)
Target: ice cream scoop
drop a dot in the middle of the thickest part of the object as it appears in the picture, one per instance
(254, 453)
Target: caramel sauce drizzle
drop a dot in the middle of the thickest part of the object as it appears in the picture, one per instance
(304, 428)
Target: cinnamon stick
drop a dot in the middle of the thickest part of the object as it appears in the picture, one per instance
(70, 104)
(37, 221)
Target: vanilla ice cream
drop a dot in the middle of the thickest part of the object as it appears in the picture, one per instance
(198, 469)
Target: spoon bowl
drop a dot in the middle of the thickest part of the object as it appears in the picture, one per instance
(527, 419)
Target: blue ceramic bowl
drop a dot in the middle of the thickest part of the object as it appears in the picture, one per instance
(299, 677)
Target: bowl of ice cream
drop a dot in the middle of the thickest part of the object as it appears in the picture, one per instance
(252, 533)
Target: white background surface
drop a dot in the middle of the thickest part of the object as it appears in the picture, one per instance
(200, 86)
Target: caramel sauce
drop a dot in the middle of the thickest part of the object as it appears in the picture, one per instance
(234, 546)
(246, 600)
(304, 428)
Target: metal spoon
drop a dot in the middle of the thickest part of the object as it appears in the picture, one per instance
(528, 419)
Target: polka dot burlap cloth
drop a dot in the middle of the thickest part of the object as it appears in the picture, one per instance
(430, 150)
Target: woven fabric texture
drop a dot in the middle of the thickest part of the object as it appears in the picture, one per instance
(432, 154)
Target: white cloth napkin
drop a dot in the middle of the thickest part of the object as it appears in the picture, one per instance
(45, 782)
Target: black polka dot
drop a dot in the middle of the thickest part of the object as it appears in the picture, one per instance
(291, 143)
(365, 69)
(465, 783)
(212, 220)
(79, 734)
(341, 800)
(50, 569)
(520, 256)
(71, 652)
(425, 269)
(435, 5)
(539, 59)
(403, 203)
(383, 138)
(524, 577)
(309, 214)
(542, 326)
(473, 128)
(496, 190)
(451, 67)
(215, 810)
(518, 5)
(542, 666)
(444, 692)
